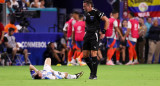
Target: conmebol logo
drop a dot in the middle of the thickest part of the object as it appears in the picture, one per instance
(32, 44)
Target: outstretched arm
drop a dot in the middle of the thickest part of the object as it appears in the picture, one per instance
(31, 67)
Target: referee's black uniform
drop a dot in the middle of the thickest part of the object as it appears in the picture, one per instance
(91, 38)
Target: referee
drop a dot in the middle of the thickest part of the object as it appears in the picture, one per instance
(91, 38)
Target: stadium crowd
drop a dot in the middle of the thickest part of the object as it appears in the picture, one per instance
(133, 40)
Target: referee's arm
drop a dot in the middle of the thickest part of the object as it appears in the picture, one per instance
(106, 20)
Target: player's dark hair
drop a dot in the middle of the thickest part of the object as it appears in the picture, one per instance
(49, 45)
(141, 18)
(89, 2)
(11, 29)
(37, 77)
(81, 16)
(75, 12)
(132, 14)
(148, 18)
(41, 0)
(114, 12)
(7, 1)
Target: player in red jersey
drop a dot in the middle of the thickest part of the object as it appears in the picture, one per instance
(78, 35)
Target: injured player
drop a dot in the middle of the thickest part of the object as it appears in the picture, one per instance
(49, 73)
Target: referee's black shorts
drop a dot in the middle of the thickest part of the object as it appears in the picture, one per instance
(91, 41)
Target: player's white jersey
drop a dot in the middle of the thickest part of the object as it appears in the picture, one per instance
(47, 75)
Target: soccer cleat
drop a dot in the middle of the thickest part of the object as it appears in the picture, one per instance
(110, 63)
(79, 74)
(92, 77)
(69, 64)
(118, 63)
(130, 63)
(135, 62)
(95, 77)
(82, 63)
(73, 62)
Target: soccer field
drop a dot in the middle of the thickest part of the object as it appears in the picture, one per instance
(136, 75)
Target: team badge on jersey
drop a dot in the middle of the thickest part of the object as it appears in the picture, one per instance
(91, 17)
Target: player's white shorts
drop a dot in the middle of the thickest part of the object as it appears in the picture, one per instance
(59, 75)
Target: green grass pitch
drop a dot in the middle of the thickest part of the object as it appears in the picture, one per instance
(136, 75)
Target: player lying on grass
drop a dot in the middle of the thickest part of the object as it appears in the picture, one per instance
(49, 73)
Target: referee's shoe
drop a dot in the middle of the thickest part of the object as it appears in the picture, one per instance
(93, 77)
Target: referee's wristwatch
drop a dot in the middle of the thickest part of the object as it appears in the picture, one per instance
(103, 31)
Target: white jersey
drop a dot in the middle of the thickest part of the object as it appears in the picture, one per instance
(49, 73)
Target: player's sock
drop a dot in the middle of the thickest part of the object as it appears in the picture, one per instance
(135, 54)
(78, 53)
(95, 65)
(71, 76)
(81, 56)
(78, 56)
(89, 63)
(130, 50)
(75, 55)
(110, 53)
(70, 54)
(117, 55)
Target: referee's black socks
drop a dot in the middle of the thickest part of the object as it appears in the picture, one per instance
(95, 65)
(89, 63)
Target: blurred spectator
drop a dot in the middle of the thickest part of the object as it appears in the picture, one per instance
(23, 4)
(10, 25)
(148, 24)
(1, 33)
(9, 9)
(14, 3)
(49, 3)
(141, 40)
(42, 4)
(1, 38)
(35, 4)
(31, 1)
(154, 42)
(123, 43)
(61, 45)
(12, 46)
(52, 53)
(28, 2)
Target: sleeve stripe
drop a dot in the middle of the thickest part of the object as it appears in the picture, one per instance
(101, 15)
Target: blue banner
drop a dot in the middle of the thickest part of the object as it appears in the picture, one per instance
(48, 18)
(36, 44)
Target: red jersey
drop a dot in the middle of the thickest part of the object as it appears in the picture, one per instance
(110, 31)
(71, 22)
(1, 29)
(134, 28)
(79, 29)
